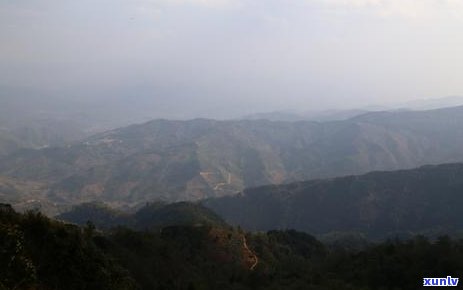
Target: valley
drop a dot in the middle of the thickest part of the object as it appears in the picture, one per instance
(170, 161)
(231, 145)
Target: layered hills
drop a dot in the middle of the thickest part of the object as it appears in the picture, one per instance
(38, 134)
(192, 160)
(427, 201)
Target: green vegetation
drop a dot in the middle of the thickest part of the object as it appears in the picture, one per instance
(39, 253)
(182, 213)
(151, 216)
(404, 203)
(100, 215)
(188, 246)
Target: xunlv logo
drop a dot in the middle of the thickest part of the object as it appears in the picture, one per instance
(445, 282)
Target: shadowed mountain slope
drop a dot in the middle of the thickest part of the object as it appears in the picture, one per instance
(427, 200)
(150, 216)
(191, 160)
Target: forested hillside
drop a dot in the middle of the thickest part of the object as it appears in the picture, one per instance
(150, 216)
(427, 200)
(39, 253)
(191, 160)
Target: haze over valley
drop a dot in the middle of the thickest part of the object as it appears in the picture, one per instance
(202, 158)
(231, 144)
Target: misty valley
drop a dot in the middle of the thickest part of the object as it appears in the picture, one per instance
(370, 202)
(231, 144)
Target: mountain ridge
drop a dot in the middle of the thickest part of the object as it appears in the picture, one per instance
(202, 158)
(426, 200)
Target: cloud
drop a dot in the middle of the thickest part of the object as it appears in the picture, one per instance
(408, 9)
(269, 52)
(220, 4)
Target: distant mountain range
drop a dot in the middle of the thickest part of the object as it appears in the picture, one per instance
(434, 103)
(38, 134)
(343, 114)
(427, 200)
(30, 119)
(318, 116)
(192, 160)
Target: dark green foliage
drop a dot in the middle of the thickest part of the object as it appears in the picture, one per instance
(99, 214)
(16, 268)
(427, 200)
(400, 264)
(181, 213)
(38, 253)
(179, 258)
(150, 216)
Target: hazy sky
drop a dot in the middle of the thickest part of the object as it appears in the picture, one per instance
(236, 55)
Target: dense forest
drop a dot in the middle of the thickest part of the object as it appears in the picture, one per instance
(41, 253)
(425, 200)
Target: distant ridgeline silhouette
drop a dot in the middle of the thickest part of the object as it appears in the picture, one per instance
(192, 160)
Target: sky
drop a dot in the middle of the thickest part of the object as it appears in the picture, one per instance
(213, 58)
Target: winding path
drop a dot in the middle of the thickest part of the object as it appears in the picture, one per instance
(256, 259)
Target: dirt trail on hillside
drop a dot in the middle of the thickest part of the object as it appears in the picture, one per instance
(252, 255)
